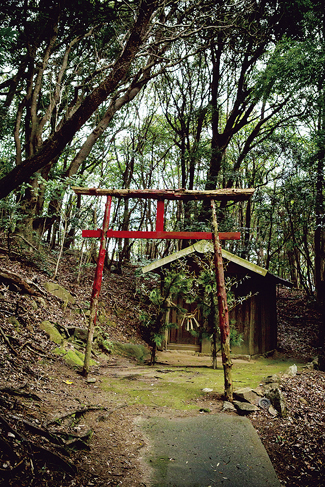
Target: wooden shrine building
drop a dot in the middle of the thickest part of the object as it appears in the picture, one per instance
(255, 317)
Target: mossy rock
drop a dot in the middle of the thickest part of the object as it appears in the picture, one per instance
(41, 302)
(59, 292)
(52, 332)
(81, 334)
(74, 358)
(34, 304)
(119, 312)
(131, 350)
(13, 321)
(113, 324)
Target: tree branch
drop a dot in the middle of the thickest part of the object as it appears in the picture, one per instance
(54, 146)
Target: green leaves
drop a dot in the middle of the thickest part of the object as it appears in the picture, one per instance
(156, 298)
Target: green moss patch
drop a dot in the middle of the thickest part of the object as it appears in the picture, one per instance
(179, 388)
(252, 373)
(52, 332)
(131, 350)
(59, 292)
(74, 358)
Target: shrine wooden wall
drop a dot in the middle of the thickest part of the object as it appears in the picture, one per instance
(255, 319)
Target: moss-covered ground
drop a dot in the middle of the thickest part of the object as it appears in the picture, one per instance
(180, 386)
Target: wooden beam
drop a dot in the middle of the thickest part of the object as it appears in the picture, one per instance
(160, 235)
(225, 194)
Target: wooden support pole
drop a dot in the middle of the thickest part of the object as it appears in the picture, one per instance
(97, 286)
(160, 216)
(223, 307)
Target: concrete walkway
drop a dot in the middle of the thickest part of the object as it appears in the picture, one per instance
(207, 450)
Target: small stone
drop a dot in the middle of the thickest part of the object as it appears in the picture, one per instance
(206, 389)
(292, 370)
(277, 399)
(273, 411)
(264, 403)
(272, 379)
(245, 407)
(259, 391)
(228, 406)
(303, 401)
(308, 366)
(315, 363)
(91, 380)
(247, 394)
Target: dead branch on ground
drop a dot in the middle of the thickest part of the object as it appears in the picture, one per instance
(20, 282)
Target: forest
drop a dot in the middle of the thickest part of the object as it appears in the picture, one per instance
(146, 95)
(166, 95)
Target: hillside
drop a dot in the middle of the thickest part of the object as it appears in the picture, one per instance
(45, 438)
(118, 300)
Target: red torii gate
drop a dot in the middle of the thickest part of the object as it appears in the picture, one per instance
(162, 195)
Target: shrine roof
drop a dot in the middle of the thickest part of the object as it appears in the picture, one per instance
(204, 246)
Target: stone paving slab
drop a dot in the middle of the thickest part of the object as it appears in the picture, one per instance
(207, 450)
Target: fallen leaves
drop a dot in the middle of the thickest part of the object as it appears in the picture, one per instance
(296, 444)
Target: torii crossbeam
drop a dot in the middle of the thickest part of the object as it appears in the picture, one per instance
(231, 194)
(161, 196)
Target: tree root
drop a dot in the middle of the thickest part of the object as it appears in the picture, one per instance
(17, 392)
(7, 341)
(38, 431)
(54, 458)
(37, 450)
(77, 412)
(32, 348)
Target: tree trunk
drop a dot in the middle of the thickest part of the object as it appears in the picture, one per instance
(320, 260)
(153, 354)
(223, 308)
(245, 253)
(214, 322)
(320, 230)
